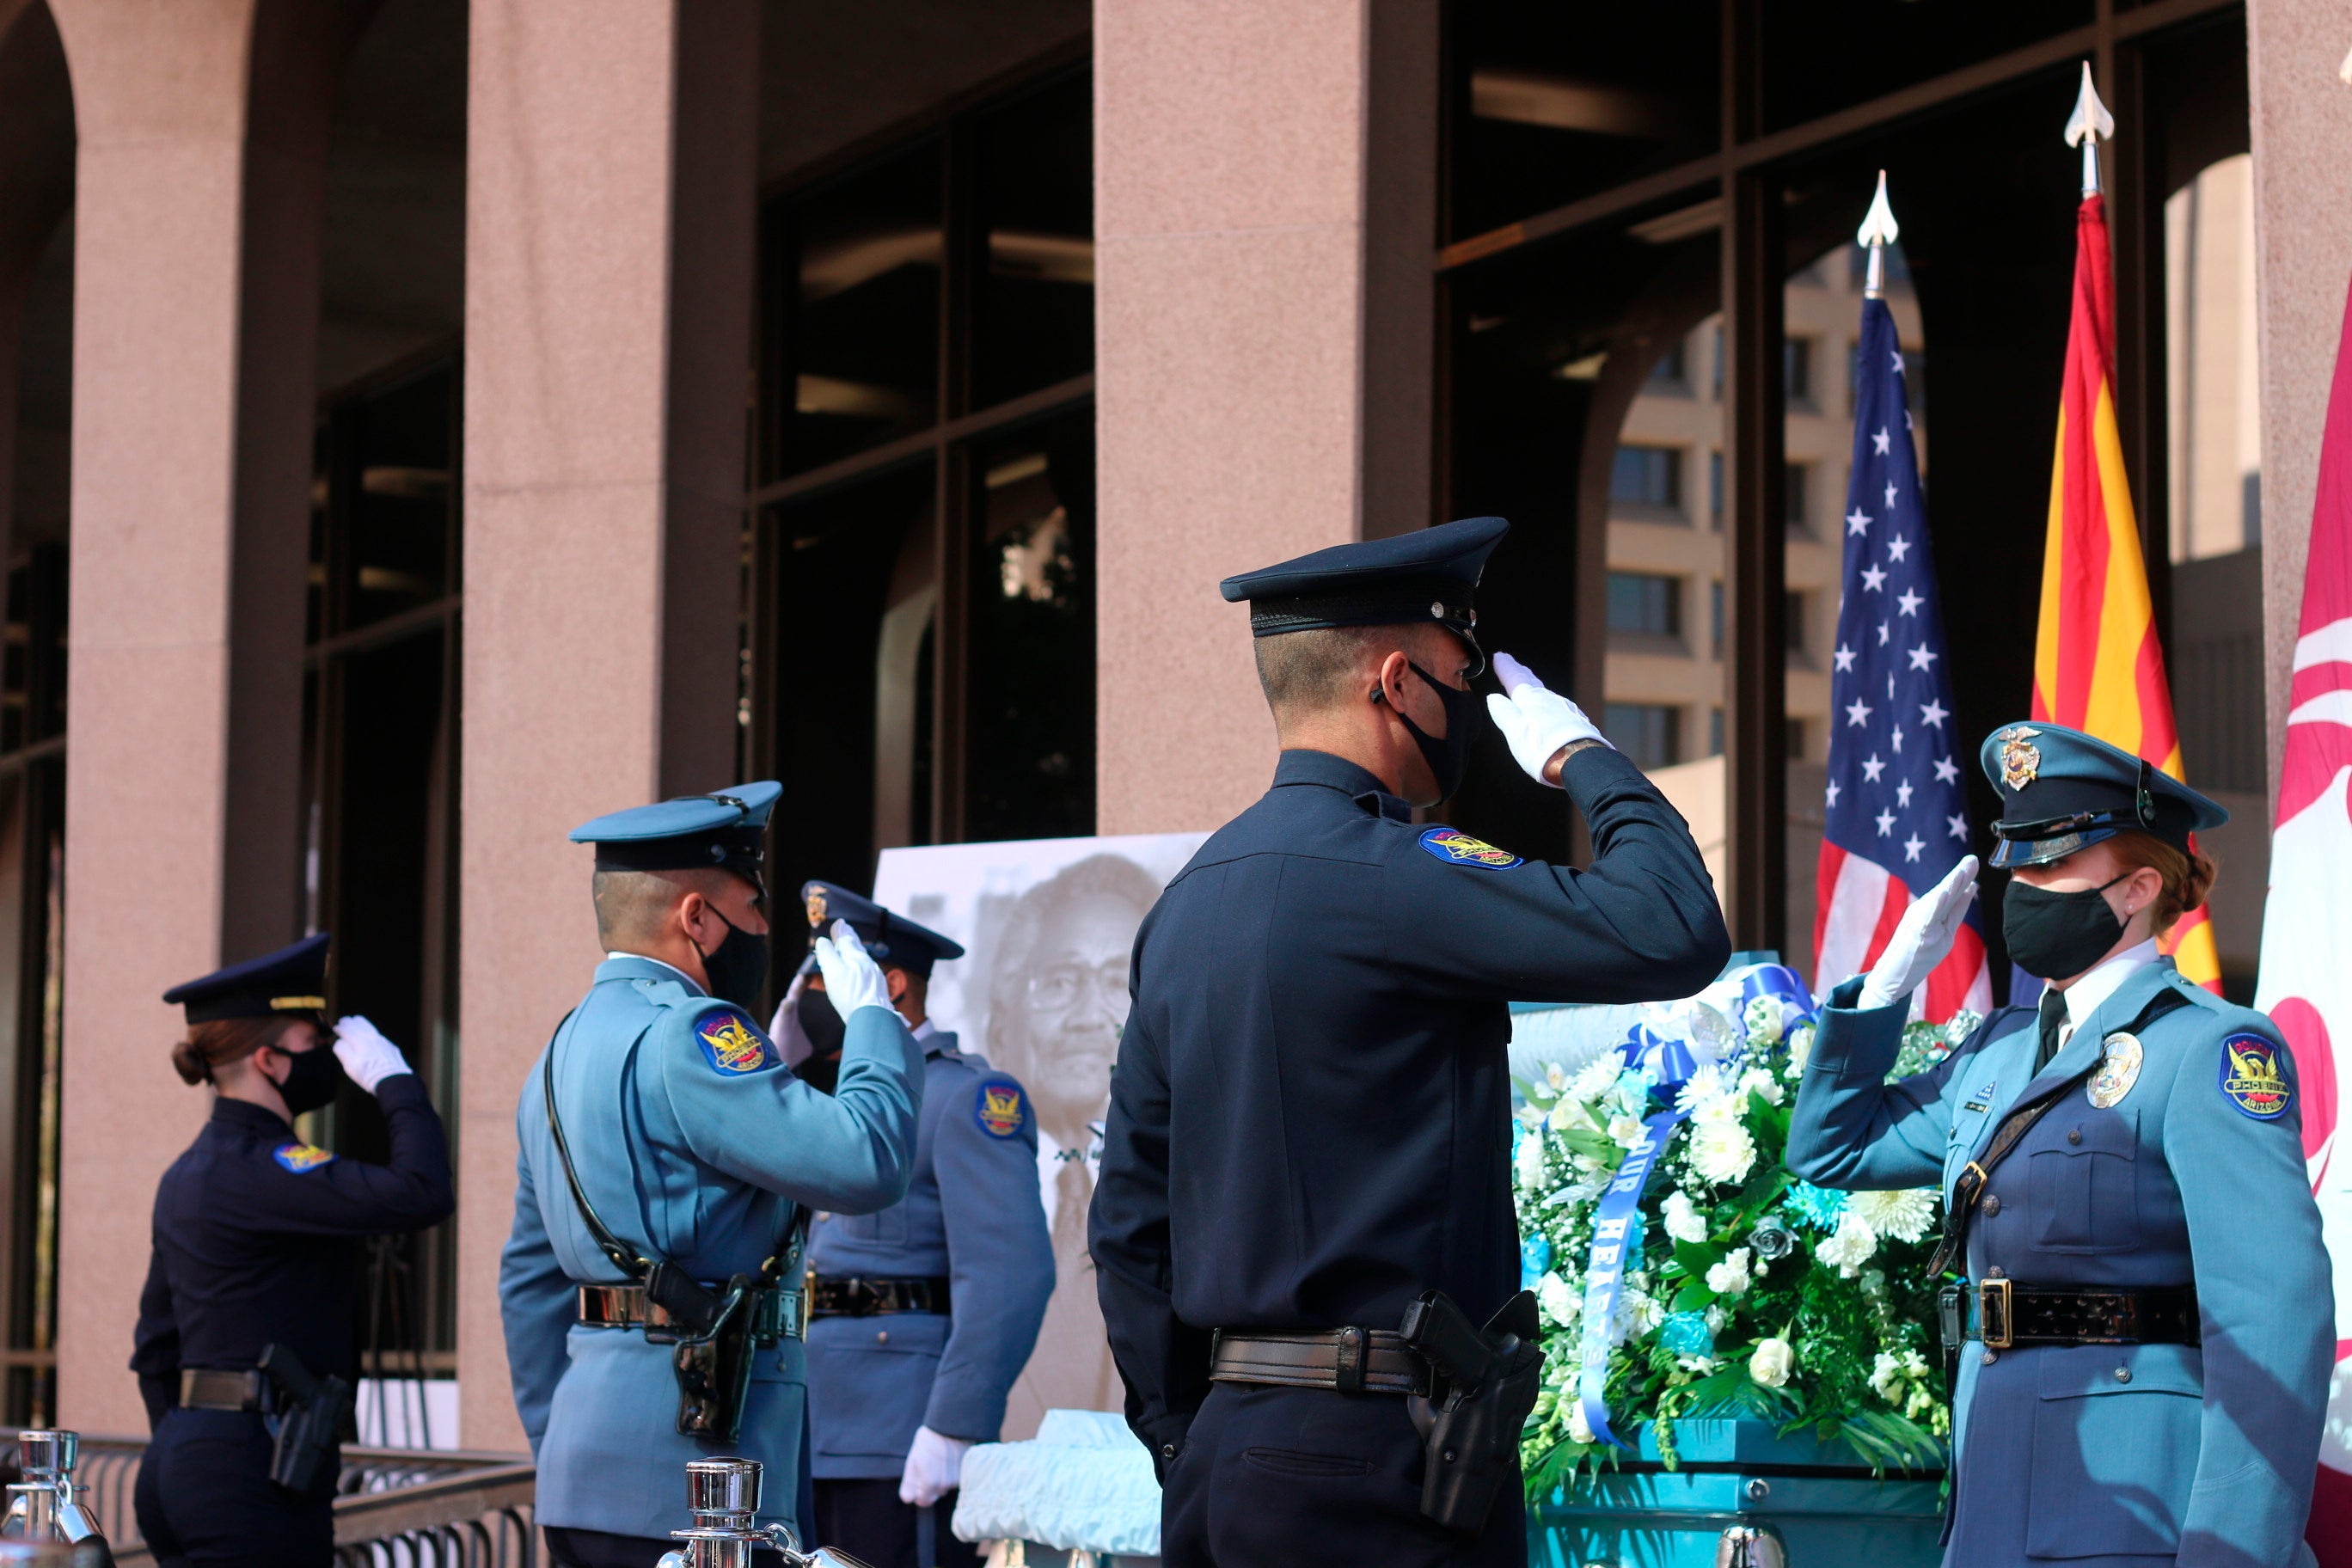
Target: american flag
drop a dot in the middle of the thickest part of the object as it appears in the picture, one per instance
(1896, 814)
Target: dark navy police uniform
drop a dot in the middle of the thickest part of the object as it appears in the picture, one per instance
(926, 1312)
(1311, 1121)
(256, 1243)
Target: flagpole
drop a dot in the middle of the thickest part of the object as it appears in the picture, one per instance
(1877, 232)
(2087, 125)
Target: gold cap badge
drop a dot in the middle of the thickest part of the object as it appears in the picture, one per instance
(2021, 759)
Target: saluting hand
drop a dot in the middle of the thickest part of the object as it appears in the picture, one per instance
(852, 978)
(1922, 937)
(1537, 722)
(367, 1057)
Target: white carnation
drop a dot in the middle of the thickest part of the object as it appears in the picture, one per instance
(1800, 1048)
(1559, 1303)
(1730, 1277)
(1851, 1247)
(1905, 1215)
(1773, 1360)
(1723, 1153)
(1683, 1222)
(1756, 1080)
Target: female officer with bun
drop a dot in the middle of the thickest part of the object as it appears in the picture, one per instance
(2146, 1325)
(257, 1254)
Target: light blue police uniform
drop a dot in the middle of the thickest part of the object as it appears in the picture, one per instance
(2188, 1170)
(973, 1216)
(692, 1137)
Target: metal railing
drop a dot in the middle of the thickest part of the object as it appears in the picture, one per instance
(397, 1507)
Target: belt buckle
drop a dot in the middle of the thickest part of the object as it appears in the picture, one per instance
(1993, 1303)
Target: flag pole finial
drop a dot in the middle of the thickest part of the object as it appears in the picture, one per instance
(1877, 232)
(2088, 125)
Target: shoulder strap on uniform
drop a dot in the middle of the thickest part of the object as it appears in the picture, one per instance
(1969, 1189)
(624, 1258)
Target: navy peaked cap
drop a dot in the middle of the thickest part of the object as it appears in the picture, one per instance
(1430, 574)
(291, 980)
(2062, 791)
(725, 829)
(892, 938)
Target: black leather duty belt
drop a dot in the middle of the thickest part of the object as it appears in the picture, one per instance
(2003, 1314)
(860, 1297)
(214, 1388)
(775, 1311)
(1352, 1361)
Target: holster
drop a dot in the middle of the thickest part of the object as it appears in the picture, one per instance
(1485, 1382)
(712, 1335)
(309, 1419)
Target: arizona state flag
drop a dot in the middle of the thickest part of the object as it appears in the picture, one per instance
(2098, 666)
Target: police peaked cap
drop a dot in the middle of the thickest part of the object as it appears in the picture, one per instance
(1430, 574)
(892, 938)
(291, 980)
(2062, 790)
(727, 829)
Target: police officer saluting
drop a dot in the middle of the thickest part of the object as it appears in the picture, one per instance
(1304, 1208)
(669, 1159)
(245, 1349)
(926, 1312)
(2145, 1336)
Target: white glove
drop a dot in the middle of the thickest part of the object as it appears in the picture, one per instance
(852, 980)
(1922, 938)
(934, 1464)
(367, 1057)
(1536, 721)
(785, 1031)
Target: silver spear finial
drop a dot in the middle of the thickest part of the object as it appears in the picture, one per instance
(2089, 123)
(1877, 232)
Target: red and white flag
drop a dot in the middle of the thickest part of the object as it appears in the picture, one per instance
(2306, 965)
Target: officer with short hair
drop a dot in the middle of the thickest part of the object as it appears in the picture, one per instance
(651, 1285)
(2146, 1334)
(1309, 1129)
(925, 1312)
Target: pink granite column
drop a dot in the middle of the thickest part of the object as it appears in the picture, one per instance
(609, 210)
(2303, 250)
(1264, 215)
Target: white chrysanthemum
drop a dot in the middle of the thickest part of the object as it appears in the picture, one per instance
(1757, 1082)
(1531, 1163)
(1596, 1078)
(1851, 1247)
(1683, 1222)
(1559, 1303)
(1905, 1215)
(1730, 1277)
(1773, 1360)
(1723, 1153)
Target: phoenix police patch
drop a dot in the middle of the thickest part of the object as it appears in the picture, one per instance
(732, 1046)
(1457, 847)
(1000, 1109)
(302, 1157)
(2252, 1079)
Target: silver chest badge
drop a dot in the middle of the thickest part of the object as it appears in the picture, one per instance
(2118, 1069)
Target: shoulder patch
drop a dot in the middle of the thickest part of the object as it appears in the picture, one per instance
(1000, 1109)
(732, 1044)
(2252, 1077)
(299, 1158)
(1457, 847)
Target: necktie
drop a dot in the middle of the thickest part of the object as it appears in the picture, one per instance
(2053, 1018)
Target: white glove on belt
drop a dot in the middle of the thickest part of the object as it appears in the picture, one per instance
(852, 979)
(934, 1464)
(1536, 721)
(367, 1057)
(1922, 938)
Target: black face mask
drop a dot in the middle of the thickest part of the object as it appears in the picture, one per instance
(2056, 936)
(738, 966)
(1448, 755)
(313, 1078)
(820, 1023)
